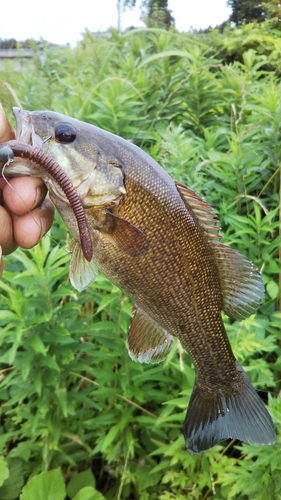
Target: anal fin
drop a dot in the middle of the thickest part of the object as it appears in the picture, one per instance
(147, 341)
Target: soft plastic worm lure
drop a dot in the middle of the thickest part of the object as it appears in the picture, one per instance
(14, 148)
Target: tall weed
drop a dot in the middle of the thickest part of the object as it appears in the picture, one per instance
(77, 412)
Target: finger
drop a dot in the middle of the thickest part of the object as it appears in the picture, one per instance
(7, 241)
(29, 228)
(6, 130)
(3, 183)
(22, 194)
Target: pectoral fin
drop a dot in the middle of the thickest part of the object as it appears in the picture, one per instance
(81, 272)
(123, 233)
(147, 342)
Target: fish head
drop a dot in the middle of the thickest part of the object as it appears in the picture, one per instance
(96, 175)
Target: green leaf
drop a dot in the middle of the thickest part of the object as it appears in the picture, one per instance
(107, 299)
(3, 437)
(51, 362)
(13, 484)
(272, 289)
(8, 316)
(4, 471)
(89, 493)
(26, 366)
(161, 55)
(146, 478)
(36, 343)
(62, 397)
(79, 481)
(48, 485)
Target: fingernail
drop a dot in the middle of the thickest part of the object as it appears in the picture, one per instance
(44, 226)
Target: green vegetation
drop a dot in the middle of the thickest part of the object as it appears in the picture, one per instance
(79, 419)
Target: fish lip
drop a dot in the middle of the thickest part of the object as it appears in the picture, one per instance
(24, 128)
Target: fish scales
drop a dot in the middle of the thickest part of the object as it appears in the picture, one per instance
(187, 319)
(158, 241)
(170, 268)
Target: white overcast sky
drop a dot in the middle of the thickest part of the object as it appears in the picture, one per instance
(63, 21)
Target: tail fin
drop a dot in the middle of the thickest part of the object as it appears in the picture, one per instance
(239, 414)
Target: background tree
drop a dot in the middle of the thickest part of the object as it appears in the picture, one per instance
(273, 12)
(155, 13)
(246, 11)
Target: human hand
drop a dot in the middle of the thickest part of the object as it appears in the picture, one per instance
(25, 214)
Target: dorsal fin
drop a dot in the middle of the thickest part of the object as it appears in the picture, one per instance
(203, 211)
(241, 283)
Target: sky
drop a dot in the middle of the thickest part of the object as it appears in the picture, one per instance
(63, 21)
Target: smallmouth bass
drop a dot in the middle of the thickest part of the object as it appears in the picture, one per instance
(158, 241)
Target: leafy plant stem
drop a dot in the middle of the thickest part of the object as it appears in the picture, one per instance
(124, 470)
(118, 395)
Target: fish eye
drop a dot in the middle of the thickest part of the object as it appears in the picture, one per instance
(65, 133)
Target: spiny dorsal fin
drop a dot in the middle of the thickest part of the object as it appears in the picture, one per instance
(147, 342)
(203, 211)
(241, 282)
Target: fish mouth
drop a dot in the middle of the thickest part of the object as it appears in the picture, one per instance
(25, 132)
